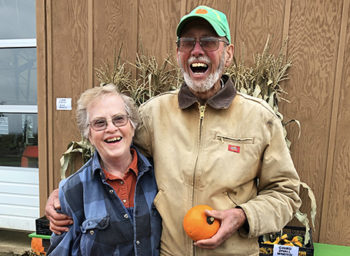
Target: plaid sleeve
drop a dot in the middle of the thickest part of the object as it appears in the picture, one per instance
(67, 243)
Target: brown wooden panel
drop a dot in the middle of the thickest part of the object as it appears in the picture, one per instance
(49, 89)
(42, 110)
(221, 5)
(115, 25)
(69, 55)
(337, 225)
(90, 66)
(224, 6)
(256, 20)
(157, 27)
(313, 43)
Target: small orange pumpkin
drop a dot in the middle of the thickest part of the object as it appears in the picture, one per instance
(198, 225)
(37, 246)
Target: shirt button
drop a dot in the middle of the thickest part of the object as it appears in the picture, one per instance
(137, 242)
(126, 216)
(91, 232)
(111, 191)
(121, 182)
(124, 201)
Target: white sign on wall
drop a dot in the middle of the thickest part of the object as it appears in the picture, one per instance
(64, 103)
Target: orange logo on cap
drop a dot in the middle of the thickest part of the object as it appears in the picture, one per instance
(201, 11)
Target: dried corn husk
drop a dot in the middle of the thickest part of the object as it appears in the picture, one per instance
(81, 148)
(263, 80)
(303, 218)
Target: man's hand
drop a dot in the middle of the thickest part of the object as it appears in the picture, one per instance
(231, 221)
(58, 221)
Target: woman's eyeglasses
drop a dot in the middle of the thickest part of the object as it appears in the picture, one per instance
(100, 124)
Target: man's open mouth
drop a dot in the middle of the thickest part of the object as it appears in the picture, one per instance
(198, 67)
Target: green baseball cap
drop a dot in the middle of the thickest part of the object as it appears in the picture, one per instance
(215, 18)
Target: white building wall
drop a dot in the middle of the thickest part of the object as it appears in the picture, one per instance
(19, 198)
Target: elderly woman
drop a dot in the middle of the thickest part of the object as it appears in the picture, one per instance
(110, 199)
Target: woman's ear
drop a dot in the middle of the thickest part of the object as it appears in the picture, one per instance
(89, 139)
(133, 131)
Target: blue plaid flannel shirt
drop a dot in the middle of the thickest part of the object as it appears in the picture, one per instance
(102, 225)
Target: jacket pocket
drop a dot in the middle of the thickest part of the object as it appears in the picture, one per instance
(90, 229)
(240, 140)
(231, 197)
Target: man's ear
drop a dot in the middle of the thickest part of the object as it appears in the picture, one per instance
(177, 55)
(229, 55)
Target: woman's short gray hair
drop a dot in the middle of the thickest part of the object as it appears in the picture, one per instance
(94, 93)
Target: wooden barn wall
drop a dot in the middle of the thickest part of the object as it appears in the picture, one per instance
(75, 37)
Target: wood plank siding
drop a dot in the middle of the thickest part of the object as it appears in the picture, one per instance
(75, 37)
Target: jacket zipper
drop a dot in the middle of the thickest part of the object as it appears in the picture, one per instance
(201, 117)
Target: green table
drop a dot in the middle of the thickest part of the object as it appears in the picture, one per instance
(39, 236)
(331, 250)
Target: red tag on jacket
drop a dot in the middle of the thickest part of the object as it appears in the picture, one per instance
(234, 148)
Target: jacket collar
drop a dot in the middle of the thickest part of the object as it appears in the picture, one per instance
(221, 100)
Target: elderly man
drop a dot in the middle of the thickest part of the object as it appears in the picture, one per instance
(212, 145)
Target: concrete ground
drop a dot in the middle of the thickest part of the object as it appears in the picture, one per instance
(14, 243)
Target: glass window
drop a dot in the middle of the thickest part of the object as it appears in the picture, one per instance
(18, 97)
(18, 114)
(19, 140)
(18, 76)
(17, 19)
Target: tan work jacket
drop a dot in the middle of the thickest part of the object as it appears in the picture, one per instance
(230, 152)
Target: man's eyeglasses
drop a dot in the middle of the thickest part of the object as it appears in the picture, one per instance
(100, 124)
(186, 44)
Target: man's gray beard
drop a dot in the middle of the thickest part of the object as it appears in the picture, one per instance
(209, 82)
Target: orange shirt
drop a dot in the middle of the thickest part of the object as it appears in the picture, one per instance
(125, 187)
